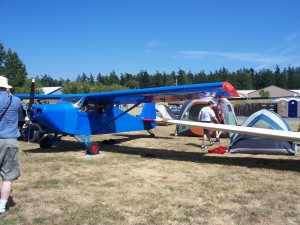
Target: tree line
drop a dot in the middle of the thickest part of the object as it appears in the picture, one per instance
(12, 67)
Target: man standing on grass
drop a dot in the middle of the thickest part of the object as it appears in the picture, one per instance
(10, 107)
(206, 115)
(219, 111)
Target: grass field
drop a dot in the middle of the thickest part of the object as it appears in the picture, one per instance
(162, 180)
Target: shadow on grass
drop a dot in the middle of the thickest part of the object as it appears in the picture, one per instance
(60, 146)
(287, 164)
(244, 161)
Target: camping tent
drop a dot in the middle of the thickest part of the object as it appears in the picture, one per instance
(163, 111)
(190, 111)
(249, 144)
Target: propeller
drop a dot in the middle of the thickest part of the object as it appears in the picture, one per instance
(30, 109)
(31, 101)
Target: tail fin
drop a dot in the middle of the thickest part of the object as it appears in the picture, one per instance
(148, 111)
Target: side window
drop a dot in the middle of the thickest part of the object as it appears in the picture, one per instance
(100, 108)
(87, 106)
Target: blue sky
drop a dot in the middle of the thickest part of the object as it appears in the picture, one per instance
(68, 37)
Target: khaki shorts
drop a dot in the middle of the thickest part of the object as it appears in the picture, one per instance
(9, 159)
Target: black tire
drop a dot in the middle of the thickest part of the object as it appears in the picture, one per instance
(92, 148)
(31, 133)
(44, 143)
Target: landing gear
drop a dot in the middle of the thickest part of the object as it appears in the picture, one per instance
(46, 141)
(152, 135)
(92, 148)
(33, 133)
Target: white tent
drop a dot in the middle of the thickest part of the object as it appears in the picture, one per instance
(163, 111)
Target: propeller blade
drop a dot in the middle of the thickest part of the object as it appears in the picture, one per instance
(31, 100)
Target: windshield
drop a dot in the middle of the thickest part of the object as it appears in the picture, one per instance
(75, 101)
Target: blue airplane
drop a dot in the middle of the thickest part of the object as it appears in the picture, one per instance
(83, 115)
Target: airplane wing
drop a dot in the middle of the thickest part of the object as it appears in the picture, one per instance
(160, 94)
(40, 96)
(163, 94)
(260, 132)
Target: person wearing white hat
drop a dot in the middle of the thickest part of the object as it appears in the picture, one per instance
(10, 107)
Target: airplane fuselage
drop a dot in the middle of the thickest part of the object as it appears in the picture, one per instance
(65, 118)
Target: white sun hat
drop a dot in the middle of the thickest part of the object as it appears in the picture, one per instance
(4, 83)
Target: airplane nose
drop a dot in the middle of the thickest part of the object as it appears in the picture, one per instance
(55, 118)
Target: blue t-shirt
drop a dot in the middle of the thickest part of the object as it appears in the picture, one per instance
(9, 122)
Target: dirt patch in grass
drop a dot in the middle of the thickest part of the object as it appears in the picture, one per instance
(162, 180)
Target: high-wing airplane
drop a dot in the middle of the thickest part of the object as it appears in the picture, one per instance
(83, 115)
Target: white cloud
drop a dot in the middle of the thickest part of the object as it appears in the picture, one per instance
(248, 57)
(154, 44)
(291, 37)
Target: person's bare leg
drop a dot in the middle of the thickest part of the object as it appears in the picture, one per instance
(5, 192)
(204, 139)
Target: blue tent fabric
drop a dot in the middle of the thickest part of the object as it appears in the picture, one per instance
(250, 144)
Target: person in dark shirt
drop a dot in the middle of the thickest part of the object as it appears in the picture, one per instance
(219, 111)
(10, 107)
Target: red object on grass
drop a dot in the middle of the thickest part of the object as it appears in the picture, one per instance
(218, 150)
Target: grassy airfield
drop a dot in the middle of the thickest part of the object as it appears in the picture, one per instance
(162, 180)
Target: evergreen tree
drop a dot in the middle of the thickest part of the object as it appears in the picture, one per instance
(190, 78)
(99, 78)
(243, 80)
(164, 79)
(291, 77)
(213, 77)
(84, 77)
(157, 80)
(181, 77)
(128, 80)
(267, 77)
(14, 69)
(2, 58)
(223, 74)
(280, 78)
(91, 79)
(144, 79)
(171, 79)
(79, 78)
(201, 78)
(113, 78)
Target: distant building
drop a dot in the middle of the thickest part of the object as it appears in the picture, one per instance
(274, 92)
(244, 93)
(51, 90)
(297, 91)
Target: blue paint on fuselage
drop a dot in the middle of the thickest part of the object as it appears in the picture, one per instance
(64, 118)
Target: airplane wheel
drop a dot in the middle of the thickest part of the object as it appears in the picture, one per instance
(92, 148)
(44, 143)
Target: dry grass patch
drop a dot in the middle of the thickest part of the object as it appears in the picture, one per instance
(162, 180)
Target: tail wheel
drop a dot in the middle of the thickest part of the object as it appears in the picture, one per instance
(92, 148)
